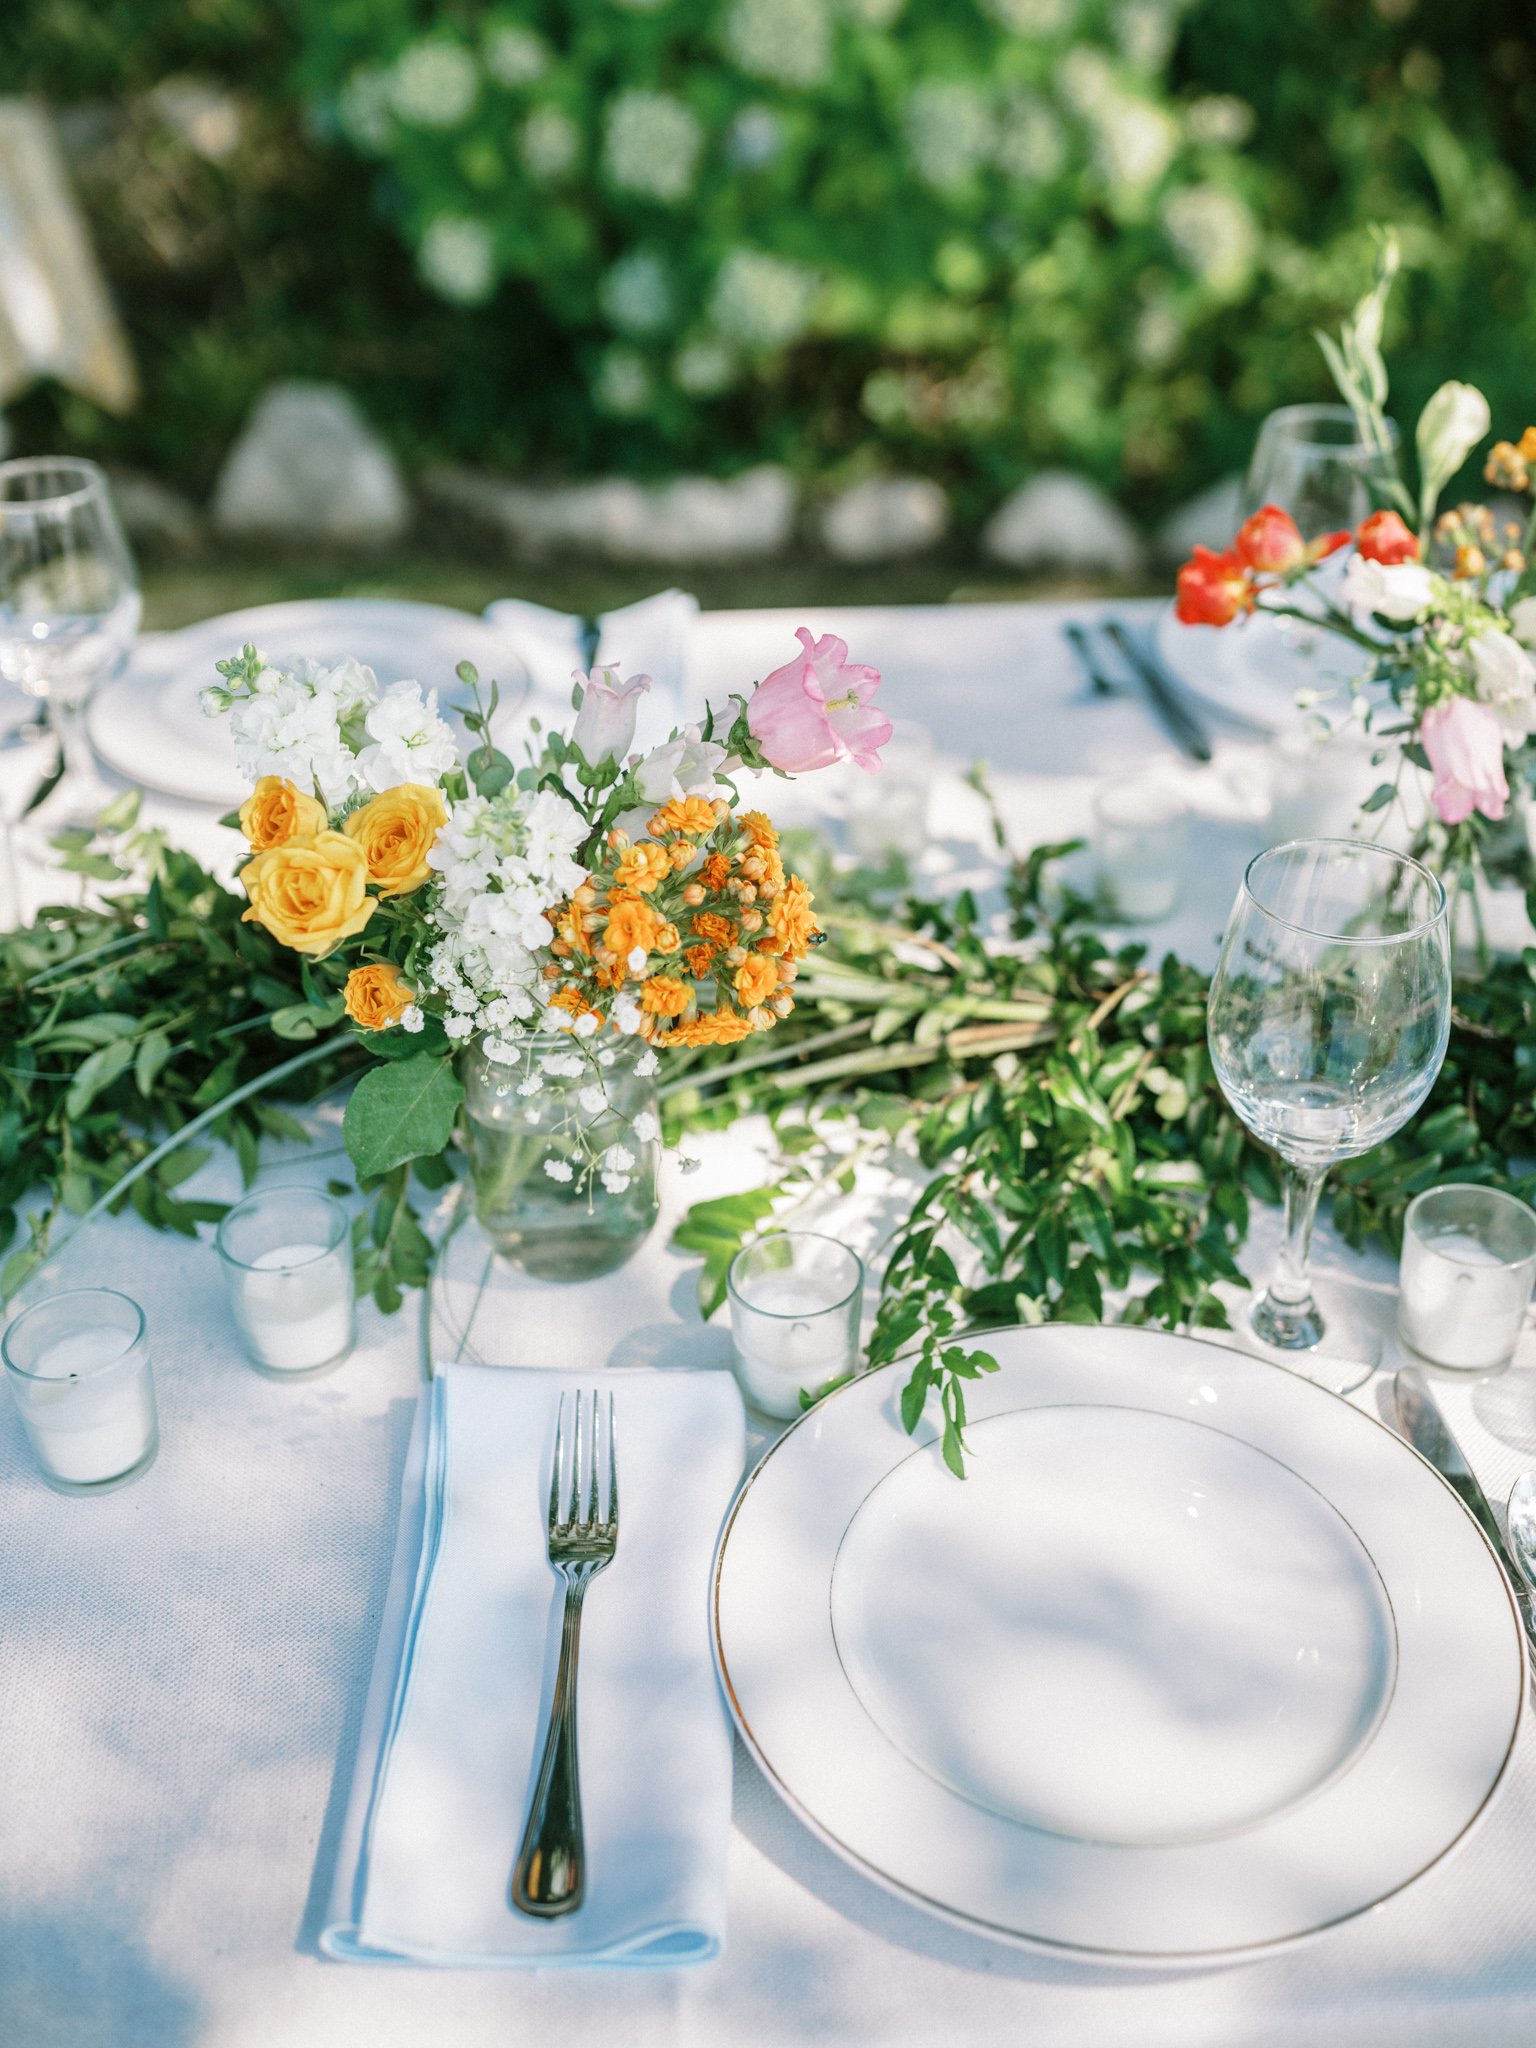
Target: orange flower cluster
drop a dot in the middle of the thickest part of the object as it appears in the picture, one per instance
(697, 922)
(1509, 462)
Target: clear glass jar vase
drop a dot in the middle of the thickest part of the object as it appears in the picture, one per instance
(564, 1145)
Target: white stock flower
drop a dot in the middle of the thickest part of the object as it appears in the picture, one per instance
(293, 731)
(651, 144)
(351, 683)
(1506, 679)
(789, 41)
(1522, 621)
(410, 742)
(433, 85)
(704, 367)
(623, 383)
(1395, 590)
(549, 144)
(685, 766)
(457, 259)
(761, 300)
(515, 56)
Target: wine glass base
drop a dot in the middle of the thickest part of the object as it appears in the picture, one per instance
(1339, 1351)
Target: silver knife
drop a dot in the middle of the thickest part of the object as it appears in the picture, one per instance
(1426, 1429)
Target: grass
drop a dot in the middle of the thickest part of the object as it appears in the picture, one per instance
(178, 594)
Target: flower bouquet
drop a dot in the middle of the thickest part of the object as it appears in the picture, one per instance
(553, 929)
(1441, 605)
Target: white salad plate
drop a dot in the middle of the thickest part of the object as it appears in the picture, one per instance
(148, 725)
(1255, 666)
(1197, 1661)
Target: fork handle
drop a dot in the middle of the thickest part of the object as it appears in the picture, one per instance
(550, 1876)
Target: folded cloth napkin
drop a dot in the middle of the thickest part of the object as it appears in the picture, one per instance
(648, 638)
(465, 1663)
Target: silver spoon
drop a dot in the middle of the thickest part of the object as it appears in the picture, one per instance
(1522, 1530)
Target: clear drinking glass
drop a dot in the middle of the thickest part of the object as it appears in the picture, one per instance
(796, 1297)
(69, 606)
(1311, 462)
(564, 1145)
(1469, 1259)
(1328, 1017)
(888, 812)
(78, 1370)
(287, 1258)
(1140, 847)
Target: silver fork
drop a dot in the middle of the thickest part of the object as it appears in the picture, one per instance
(550, 1875)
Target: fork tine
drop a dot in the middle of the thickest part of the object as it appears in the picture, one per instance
(592, 1489)
(613, 1471)
(575, 1512)
(555, 1463)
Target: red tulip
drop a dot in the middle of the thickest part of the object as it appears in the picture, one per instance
(1384, 538)
(1213, 589)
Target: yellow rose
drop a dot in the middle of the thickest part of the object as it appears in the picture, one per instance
(396, 831)
(376, 997)
(310, 894)
(275, 813)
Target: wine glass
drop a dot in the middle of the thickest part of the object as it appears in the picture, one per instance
(1311, 462)
(1328, 1017)
(69, 606)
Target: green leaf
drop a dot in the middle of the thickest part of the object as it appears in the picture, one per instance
(154, 1052)
(97, 1071)
(401, 1111)
(717, 1230)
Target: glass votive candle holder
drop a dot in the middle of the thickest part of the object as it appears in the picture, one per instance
(888, 812)
(78, 1369)
(795, 1301)
(1469, 1260)
(1140, 846)
(287, 1257)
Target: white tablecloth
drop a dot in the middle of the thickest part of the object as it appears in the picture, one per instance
(182, 1664)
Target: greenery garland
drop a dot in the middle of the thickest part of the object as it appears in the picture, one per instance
(1053, 1091)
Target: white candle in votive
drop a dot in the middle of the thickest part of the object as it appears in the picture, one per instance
(779, 1354)
(1461, 1304)
(84, 1432)
(295, 1305)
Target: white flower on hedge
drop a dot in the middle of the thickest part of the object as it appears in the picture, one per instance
(1145, 31)
(410, 742)
(1506, 679)
(761, 300)
(1396, 590)
(1135, 143)
(704, 367)
(1522, 621)
(515, 56)
(433, 85)
(686, 766)
(1219, 119)
(362, 107)
(636, 294)
(622, 385)
(1032, 17)
(549, 144)
(651, 144)
(950, 132)
(755, 138)
(1214, 234)
(789, 41)
(457, 259)
(1031, 144)
(559, 1169)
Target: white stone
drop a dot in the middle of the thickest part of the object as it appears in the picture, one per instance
(691, 519)
(1208, 520)
(309, 468)
(155, 518)
(885, 519)
(1065, 521)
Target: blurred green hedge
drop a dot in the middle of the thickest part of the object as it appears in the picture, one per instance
(967, 237)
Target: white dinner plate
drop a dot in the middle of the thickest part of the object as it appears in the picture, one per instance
(147, 723)
(1198, 1660)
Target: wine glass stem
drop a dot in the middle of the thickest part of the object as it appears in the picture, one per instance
(1285, 1314)
(68, 721)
